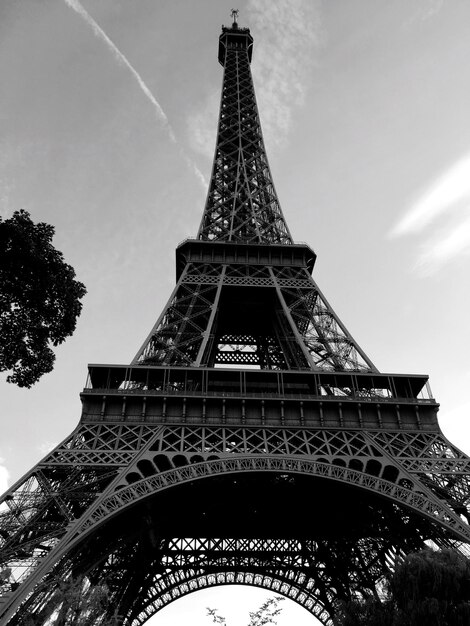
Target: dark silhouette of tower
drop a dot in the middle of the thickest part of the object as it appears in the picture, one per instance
(251, 440)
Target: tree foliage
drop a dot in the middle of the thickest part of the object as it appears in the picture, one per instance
(74, 602)
(264, 615)
(427, 587)
(267, 612)
(39, 299)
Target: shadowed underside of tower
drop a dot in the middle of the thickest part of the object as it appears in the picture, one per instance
(250, 441)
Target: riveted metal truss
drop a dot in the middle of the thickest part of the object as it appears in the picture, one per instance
(242, 204)
(283, 320)
(310, 476)
(300, 570)
(105, 469)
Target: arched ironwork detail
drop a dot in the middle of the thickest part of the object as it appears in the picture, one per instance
(175, 587)
(425, 504)
(422, 502)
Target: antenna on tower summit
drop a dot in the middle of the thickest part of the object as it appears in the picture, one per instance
(234, 13)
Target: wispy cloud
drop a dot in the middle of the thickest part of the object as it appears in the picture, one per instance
(448, 191)
(289, 34)
(424, 10)
(444, 247)
(46, 446)
(120, 58)
(286, 36)
(118, 55)
(440, 213)
(202, 125)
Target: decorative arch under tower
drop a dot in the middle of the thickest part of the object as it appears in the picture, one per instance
(251, 440)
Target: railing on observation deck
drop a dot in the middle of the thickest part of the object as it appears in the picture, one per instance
(224, 382)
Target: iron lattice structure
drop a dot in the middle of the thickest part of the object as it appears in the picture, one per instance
(250, 441)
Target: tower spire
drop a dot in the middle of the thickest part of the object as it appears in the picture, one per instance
(281, 321)
(242, 204)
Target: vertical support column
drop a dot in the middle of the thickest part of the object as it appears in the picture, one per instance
(141, 350)
(205, 345)
(295, 330)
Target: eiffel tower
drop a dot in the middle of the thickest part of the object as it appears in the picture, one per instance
(250, 441)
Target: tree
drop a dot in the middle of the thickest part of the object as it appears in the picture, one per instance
(74, 601)
(428, 587)
(39, 299)
(266, 613)
(370, 612)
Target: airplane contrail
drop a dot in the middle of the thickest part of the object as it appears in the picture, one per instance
(99, 32)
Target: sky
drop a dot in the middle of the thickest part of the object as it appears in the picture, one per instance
(108, 121)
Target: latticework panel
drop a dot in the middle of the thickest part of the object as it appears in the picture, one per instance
(36, 513)
(358, 452)
(178, 334)
(175, 480)
(438, 464)
(242, 204)
(276, 319)
(178, 585)
(104, 470)
(283, 566)
(326, 338)
(145, 569)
